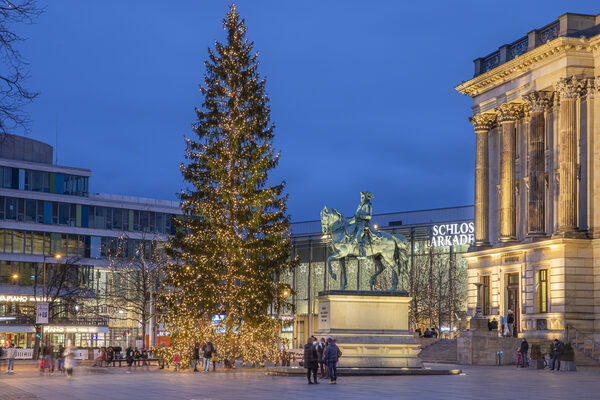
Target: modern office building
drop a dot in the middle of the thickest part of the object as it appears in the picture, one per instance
(48, 210)
(437, 239)
(536, 112)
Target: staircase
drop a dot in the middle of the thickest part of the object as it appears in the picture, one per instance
(587, 351)
(443, 351)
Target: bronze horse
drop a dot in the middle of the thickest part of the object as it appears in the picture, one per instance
(387, 250)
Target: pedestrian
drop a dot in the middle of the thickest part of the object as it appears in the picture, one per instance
(214, 358)
(524, 349)
(331, 355)
(176, 361)
(69, 360)
(311, 359)
(110, 355)
(418, 332)
(208, 350)
(502, 325)
(434, 333)
(494, 324)
(510, 320)
(320, 350)
(11, 353)
(196, 356)
(61, 358)
(136, 356)
(129, 356)
(558, 350)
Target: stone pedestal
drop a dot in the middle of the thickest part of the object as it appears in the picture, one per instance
(371, 328)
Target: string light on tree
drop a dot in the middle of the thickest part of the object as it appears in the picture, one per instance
(234, 239)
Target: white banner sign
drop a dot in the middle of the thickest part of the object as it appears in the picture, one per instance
(41, 316)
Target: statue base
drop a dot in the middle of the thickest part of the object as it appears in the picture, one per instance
(371, 328)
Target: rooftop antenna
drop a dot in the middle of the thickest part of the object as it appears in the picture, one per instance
(56, 145)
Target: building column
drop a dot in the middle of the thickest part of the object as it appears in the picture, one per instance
(482, 124)
(508, 113)
(568, 90)
(536, 213)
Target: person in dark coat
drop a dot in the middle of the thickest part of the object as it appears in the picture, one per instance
(129, 356)
(330, 356)
(196, 356)
(524, 349)
(320, 351)
(558, 350)
(311, 360)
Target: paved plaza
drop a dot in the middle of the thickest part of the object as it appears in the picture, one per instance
(475, 383)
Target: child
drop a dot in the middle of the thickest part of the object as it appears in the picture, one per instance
(177, 361)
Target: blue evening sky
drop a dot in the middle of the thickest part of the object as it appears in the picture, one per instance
(362, 92)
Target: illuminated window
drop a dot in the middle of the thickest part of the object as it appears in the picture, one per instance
(541, 290)
(486, 294)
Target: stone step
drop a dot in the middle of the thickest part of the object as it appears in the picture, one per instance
(443, 351)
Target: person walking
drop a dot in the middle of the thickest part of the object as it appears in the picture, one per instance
(61, 358)
(208, 349)
(311, 359)
(510, 320)
(176, 361)
(11, 353)
(196, 356)
(214, 358)
(69, 360)
(320, 351)
(524, 349)
(331, 355)
(558, 350)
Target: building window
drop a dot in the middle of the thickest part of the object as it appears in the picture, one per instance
(486, 294)
(541, 290)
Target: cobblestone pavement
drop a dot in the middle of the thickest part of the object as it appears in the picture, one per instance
(475, 383)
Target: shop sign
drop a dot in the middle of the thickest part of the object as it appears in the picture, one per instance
(71, 329)
(41, 316)
(453, 234)
(18, 298)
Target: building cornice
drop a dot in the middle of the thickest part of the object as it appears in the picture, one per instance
(526, 62)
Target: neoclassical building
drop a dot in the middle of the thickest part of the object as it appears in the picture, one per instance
(536, 116)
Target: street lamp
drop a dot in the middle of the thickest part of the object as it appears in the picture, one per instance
(58, 257)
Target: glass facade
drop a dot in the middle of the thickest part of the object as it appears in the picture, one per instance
(84, 216)
(43, 181)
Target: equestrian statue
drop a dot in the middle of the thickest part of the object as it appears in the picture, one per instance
(354, 237)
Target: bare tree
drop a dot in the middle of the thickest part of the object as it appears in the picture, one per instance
(137, 267)
(64, 283)
(13, 71)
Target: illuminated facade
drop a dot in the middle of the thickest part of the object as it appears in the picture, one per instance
(46, 209)
(536, 113)
(428, 231)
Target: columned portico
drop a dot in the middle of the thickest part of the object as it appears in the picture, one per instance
(508, 114)
(543, 262)
(482, 124)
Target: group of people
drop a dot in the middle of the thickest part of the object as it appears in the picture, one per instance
(506, 324)
(429, 333)
(208, 353)
(50, 356)
(557, 351)
(321, 354)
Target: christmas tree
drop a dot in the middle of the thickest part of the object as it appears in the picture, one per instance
(234, 239)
